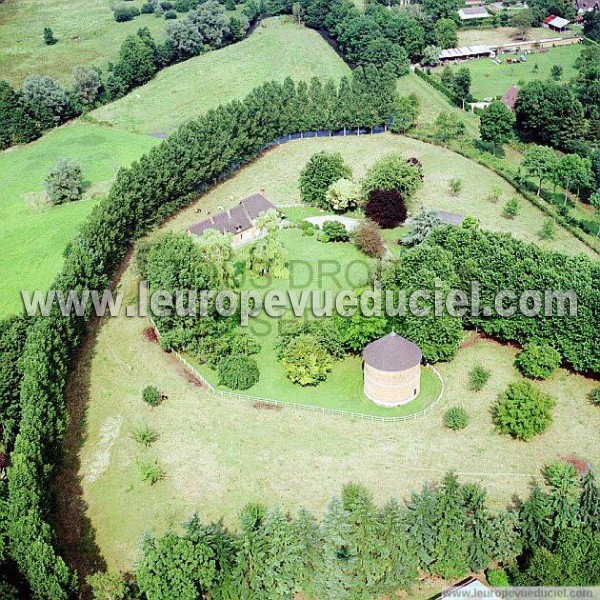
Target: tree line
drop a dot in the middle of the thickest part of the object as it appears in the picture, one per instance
(361, 550)
(171, 175)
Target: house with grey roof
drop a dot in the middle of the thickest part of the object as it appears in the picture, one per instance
(239, 221)
(473, 12)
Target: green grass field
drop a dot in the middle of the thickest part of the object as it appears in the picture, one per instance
(86, 30)
(34, 235)
(432, 103)
(278, 171)
(277, 48)
(221, 453)
(490, 79)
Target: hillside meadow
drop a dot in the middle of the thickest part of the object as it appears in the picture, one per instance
(278, 48)
(34, 234)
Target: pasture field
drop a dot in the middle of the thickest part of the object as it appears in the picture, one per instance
(277, 173)
(278, 48)
(504, 35)
(34, 234)
(490, 79)
(86, 30)
(221, 453)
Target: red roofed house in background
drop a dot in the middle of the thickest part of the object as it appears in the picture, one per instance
(555, 23)
(240, 221)
(510, 97)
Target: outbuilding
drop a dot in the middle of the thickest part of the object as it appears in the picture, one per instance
(392, 370)
(556, 23)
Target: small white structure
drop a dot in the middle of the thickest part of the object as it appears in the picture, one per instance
(466, 52)
(473, 12)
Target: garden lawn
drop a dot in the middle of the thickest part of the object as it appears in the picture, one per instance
(314, 266)
(490, 79)
(276, 49)
(221, 453)
(35, 234)
(86, 30)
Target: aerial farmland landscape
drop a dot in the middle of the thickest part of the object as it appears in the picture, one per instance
(299, 300)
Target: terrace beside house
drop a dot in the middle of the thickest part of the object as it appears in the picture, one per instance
(240, 221)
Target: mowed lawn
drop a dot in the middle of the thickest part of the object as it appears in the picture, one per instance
(277, 49)
(278, 171)
(221, 453)
(34, 234)
(320, 267)
(86, 30)
(490, 79)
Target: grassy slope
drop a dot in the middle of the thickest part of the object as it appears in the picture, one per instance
(33, 242)
(278, 48)
(86, 31)
(220, 453)
(278, 173)
(432, 103)
(490, 79)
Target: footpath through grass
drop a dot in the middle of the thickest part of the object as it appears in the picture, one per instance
(277, 49)
(34, 234)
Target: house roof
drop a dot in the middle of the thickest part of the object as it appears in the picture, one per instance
(392, 353)
(238, 219)
(510, 97)
(558, 22)
(465, 52)
(473, 12)
(586, 5)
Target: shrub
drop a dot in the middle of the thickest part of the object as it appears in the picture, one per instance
(595, 396)
(322, 169)
(523, 411)
(108, 586)
(64, 182)
(334, 231)
(144, 435)
(182, 6)
(548, 231)
(87, 84)
(305, 360)
(386, 208)
(123, 13)
(455, 186)
(497, 578)
(147, 8)
(238, 372)
(494, 195)
(49, 38)
(393, 173)
(421, 226)
(556, 72)
(324, 331)
(342, 195)
(307, 228)
(478, 377)
(456, 418)
(166, 5)
(367, 238)
(170, 14)
(150, 470)
(151, 395)
(512, 208)
(538, 360)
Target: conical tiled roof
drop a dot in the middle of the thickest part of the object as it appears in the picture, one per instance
(392, 353)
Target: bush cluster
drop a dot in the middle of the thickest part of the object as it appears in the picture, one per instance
(456, 418)
(238, 372)
(538, 360)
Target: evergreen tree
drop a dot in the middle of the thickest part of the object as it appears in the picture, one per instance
(534, 515)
